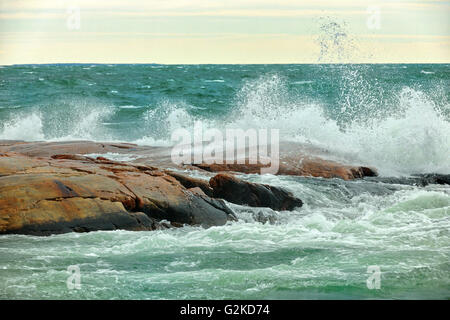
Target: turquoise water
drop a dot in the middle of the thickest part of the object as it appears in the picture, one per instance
(392, 117)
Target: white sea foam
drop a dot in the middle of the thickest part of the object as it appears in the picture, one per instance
(215, 80)
(70, 120)
(413, 136)
(317, 248)
(303, 82)
(114, 156)
(131, 107)
(23, 128)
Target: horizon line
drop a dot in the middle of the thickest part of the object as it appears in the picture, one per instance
(195, 64)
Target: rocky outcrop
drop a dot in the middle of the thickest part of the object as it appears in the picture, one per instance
(304, 167)
(241, 192)
(53, 187)
(74, 193)
(47, 149)
(427, 179)
(65, 193)
(190, 182)
(420, 180)
(293, 160)
(234, 190)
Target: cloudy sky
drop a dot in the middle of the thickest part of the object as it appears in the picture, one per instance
(224, 31)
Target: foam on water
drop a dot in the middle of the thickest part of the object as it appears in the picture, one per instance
(317, 251)
(392, 117)
(400, 133)
(23, 128)
(114, 156)
(412, 136)
(78, 119)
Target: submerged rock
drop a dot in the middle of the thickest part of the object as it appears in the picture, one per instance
(434, 178)
(420, 180)
(237, 191)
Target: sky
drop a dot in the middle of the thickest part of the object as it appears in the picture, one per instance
(224, 31)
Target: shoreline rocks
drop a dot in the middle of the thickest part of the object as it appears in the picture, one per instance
(44, 196)
(241, 192)
(303, 167)
(45, 192)
(292, 160)
(53, 187)
(420, 180)
(75, 193)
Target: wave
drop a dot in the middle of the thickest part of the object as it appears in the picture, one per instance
(409, 134)
(27, 128)
(131, 107)
(72, 119)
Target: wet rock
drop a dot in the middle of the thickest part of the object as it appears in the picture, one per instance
(419, 180)
(241, 192)
(53, 187)
(47, 149)
(163, 197)
(71, 193)
(190, 182)
(264, 217)
(309, 167)
(434, 178)
(296, 160)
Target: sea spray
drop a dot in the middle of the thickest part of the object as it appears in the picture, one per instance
(23, 127)
(387, 116)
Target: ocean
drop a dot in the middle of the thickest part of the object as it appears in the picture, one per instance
(393, 117)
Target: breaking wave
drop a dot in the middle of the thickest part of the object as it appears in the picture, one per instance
(406, 133)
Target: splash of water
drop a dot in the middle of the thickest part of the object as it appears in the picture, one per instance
(76, 119)
(29, 127)
(335, 41)
(408, 136)
(398, 133)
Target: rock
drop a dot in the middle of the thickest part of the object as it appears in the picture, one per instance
(304, 167)
(433, 178)
(264, 217)
(197, 191)
(47, 149)
(190, 182)
(237, 191)
(60, 194)
(293, 160)
(420, 180)
(146, 223)
(163, 197)
(158, 156)
(72, 157)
